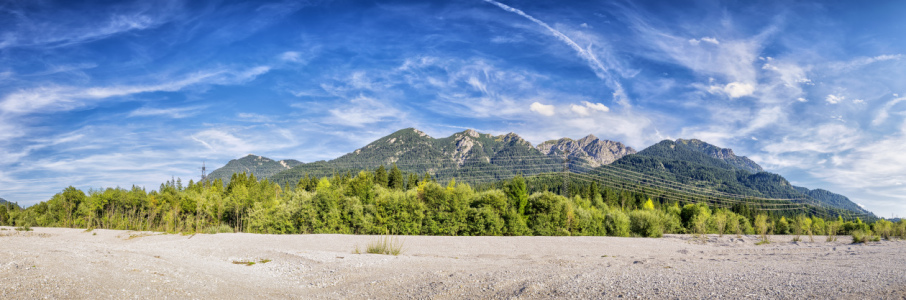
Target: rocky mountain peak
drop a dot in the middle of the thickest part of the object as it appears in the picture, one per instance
(588, 140)
(513, 138)
(591, 150)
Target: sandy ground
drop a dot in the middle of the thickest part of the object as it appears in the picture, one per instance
(73, 263)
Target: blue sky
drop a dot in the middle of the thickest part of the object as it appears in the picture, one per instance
(132, 93)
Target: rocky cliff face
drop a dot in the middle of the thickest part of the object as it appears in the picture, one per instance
(592, 151)
(724, 154)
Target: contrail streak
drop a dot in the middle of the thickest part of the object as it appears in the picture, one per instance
(593, 61)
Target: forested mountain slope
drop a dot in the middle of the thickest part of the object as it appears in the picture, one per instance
(261, 167)
(467, 155)
(831, 198)
(698, 166)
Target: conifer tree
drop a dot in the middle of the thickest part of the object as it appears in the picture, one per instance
(380, 176)
(396, 178)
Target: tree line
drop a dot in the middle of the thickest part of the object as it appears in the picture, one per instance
(394, 202)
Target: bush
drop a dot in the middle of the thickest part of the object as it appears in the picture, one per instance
(617, 223)
(385, 245)
(692, 211)
(672, 223)
(783, 226)
(883, 228)
(860, 236)
(761, 227)
(549, 214)
(831, 227)
(222, 228)
(646, 223)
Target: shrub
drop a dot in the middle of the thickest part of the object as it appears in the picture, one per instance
(783, 226)
(617, 223)
(883, 228)
(818, 226)
(672, 223)
(761, 226)
(832, 227)
(549, 214)
(385, 245)
(901, 229)
(691, 211)
(646, 223)
(860, 236)
(720, 221)
(222, 228)
(733, 225)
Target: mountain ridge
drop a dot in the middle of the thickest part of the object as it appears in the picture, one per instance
(261, 167)
(485, 157)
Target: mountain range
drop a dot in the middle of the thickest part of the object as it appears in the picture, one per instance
(471, 156)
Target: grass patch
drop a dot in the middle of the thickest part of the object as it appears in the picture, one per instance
(763, 242)
(248, 263)
(138, 235)
(389, 245)
(24, 228)
(222, 228)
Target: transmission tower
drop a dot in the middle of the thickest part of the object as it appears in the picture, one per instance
(204, 174)
(566, 175)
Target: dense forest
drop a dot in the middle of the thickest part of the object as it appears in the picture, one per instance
(393, 202)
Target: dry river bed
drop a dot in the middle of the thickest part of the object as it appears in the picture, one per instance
(73, 263)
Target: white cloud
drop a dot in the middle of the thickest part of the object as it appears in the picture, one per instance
(734, 89)
(588, 108)
(706, 39)
(834, 99)
(363, 111)
(175, 113)
(547, 110)
(863, 61)
(739, 89)
(884, 111)
(291, 56)
(859, 101)
(800, 99)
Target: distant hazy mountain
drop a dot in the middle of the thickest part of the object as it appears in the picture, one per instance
(261, 167)
(832, 199)
(2, 201)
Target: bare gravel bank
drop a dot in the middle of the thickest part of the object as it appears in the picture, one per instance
(73, 263)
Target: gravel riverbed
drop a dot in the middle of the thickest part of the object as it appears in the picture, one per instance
(74, 263)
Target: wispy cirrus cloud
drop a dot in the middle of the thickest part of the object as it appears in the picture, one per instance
(48, 27)
(61, 98)
(174, 113)
(587, 54)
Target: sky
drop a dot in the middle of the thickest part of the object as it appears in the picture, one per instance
(120, 93)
